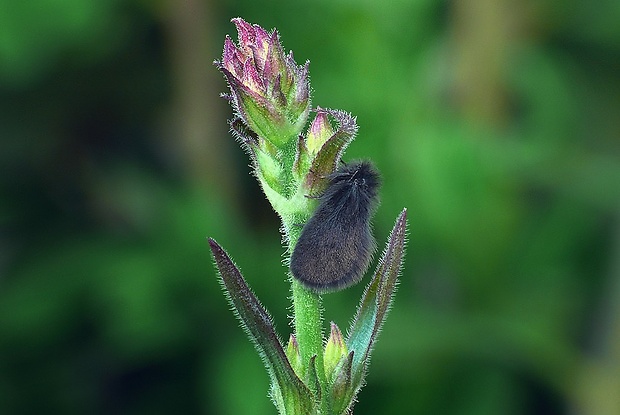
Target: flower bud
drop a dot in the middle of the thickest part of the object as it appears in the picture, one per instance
(268, 90)
(335, 350)
(320, 131)
(293, 355)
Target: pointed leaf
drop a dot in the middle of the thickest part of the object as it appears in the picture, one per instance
(295, 397)
(341, 388)
(313, 379)
(376, 300)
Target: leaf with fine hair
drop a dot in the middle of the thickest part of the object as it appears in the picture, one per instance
(376, 300)
(342, 390)
(289, 393)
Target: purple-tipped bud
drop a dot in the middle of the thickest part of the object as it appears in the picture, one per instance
(335, 350)
(323, 146)
(320, 131)
(269, 91)
(294, 357)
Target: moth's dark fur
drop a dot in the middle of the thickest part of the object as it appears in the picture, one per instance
(336, 244)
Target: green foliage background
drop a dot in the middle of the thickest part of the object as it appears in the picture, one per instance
(497, 123)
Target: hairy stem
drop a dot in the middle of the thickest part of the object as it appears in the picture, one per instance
(308, 326)
(307, 318)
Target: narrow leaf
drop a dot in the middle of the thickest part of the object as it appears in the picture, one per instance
(341, 389)
(295, 395)
(376, 300)
(313, 379)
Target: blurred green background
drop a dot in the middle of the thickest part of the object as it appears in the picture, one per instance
(497, 123)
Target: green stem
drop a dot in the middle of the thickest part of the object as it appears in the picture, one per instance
(308, 320)
(308, 325)
(308, 329)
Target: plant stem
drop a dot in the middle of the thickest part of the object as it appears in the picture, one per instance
(308, 331)
(307, 305)
(308, 326)
(307, 318)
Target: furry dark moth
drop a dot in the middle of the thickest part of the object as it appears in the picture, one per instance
(336, 245)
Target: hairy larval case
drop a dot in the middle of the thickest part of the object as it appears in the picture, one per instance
(336, 245)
